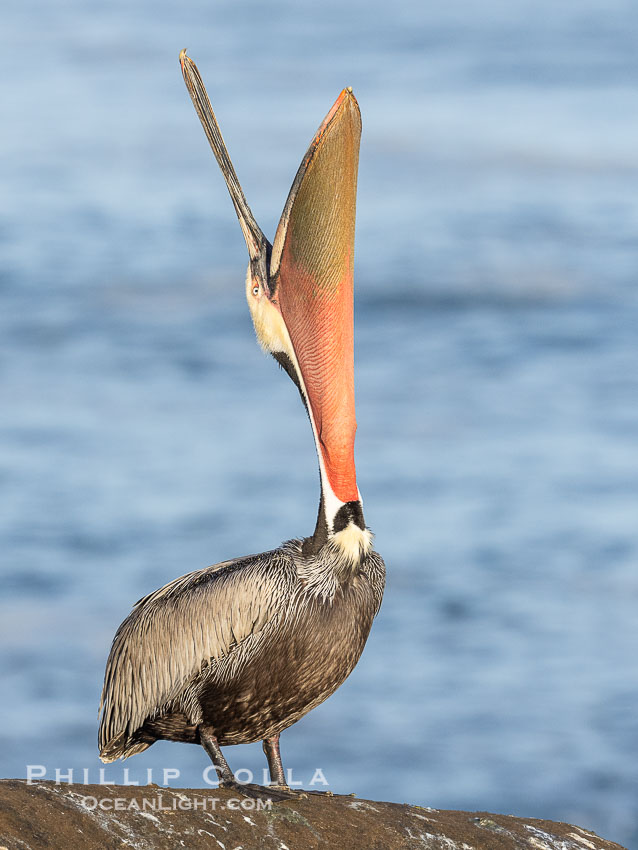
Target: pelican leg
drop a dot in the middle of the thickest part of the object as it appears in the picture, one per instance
(210, 744)
(226, 779)
(277, 775)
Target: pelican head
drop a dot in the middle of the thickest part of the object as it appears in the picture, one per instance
(300, 294)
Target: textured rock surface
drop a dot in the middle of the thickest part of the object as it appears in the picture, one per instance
(88, 817)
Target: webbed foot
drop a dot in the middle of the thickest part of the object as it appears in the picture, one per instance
(259, 792)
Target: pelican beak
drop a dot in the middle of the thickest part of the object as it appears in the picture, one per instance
(311, 283)
(257, 244)
(300, 291)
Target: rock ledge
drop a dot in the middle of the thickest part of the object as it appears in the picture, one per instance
(45, 816)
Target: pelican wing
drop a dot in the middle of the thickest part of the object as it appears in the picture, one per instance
(174, 633)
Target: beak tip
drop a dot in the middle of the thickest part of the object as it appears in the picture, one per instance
(347, 96)
(182, 56)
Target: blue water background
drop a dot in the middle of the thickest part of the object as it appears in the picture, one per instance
(143, 434)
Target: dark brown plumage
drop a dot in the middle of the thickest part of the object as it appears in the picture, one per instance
(253, 645)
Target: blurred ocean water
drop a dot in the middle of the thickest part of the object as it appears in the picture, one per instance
(497, 379)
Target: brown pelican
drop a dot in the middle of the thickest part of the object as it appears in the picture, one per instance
(239, 651)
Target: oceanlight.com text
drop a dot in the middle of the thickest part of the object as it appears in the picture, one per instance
(178, 802)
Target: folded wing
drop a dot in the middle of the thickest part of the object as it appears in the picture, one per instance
(174, 633)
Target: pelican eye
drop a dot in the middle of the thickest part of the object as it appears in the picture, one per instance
(255, 290)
